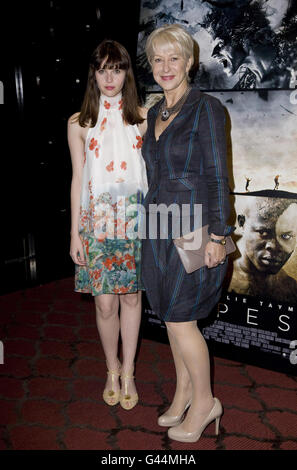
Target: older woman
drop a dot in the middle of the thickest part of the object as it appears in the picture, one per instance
(185, 153)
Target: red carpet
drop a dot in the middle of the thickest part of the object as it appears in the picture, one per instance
(54, 373)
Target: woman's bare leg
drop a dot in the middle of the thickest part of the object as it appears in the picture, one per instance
(194, 352)
(108, 324)
(130, 317)
(183, 391)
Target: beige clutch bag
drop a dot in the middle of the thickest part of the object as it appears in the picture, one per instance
(191, 248)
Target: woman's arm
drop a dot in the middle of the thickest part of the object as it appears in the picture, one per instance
(143, 126)
(76, 147)
(213, 145)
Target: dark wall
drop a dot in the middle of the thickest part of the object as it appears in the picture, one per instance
(44, 68)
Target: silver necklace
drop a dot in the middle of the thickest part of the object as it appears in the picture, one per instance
(166, 112)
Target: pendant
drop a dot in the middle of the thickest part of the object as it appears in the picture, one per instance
(165, 115)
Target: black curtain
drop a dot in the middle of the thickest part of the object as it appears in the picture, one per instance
(44, 65)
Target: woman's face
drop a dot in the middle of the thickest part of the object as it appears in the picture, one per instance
(110, 81)
(169, 67)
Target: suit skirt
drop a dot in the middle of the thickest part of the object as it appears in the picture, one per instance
(173, 294)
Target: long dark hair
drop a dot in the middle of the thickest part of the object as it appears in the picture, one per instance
(116, 57)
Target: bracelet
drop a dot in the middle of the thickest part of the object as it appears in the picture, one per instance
(221, 241)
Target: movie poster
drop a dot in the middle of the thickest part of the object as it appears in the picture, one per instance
(243, 44)
(248, 60)
(258, 310)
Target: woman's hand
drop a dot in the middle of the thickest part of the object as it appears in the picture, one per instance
(214, 254)
(76, 250)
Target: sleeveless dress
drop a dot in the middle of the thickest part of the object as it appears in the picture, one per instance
(114, 182)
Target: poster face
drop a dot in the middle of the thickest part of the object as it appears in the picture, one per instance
(265, 264)
(243, 44)
(257, 313)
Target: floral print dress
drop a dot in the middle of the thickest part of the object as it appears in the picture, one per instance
(114, 184)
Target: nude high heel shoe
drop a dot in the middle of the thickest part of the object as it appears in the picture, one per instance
(178, 434)
(165, 420)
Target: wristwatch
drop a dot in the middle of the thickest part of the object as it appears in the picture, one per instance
(221, 241)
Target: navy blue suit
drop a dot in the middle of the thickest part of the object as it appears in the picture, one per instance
(187, 165)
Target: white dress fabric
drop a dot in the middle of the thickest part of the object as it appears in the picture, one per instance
(113, 166)
(114, 181)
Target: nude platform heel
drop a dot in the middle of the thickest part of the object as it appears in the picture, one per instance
(178, 434)
(168, 421)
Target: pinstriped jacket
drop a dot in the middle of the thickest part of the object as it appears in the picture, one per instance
(187, 165)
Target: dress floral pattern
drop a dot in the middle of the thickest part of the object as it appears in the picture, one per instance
(114, 182)
(113, 266)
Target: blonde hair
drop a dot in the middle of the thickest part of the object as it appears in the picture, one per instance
(170, 35)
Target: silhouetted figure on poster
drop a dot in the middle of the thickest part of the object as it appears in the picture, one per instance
(276, 182)
(248, 180)
(269, 229)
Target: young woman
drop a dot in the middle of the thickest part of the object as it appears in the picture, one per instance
(108, 180)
